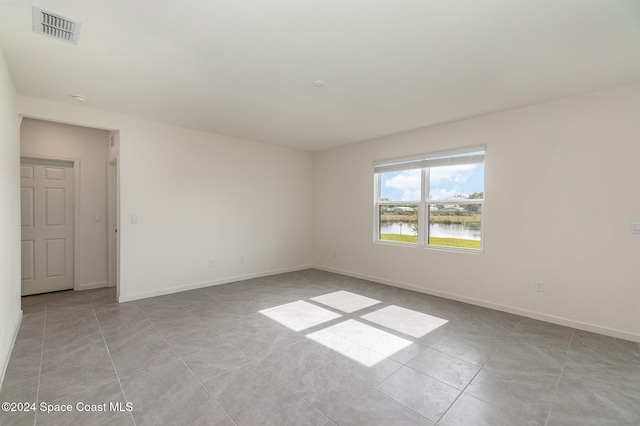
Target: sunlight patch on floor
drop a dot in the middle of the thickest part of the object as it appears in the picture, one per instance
(299, 315)
(407, 321)
(345, 301)
(360, 342)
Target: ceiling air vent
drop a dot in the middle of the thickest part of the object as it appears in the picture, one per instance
(55, 26)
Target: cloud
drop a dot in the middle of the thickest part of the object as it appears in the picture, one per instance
(457, 174)
(445, 182)
(408, 183)
(443, 194)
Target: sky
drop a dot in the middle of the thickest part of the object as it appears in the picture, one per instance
(444, 183)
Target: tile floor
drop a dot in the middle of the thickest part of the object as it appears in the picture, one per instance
(310, 348)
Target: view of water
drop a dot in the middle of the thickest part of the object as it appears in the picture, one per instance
(438, 230)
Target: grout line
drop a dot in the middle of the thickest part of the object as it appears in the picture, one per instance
(44, 330)
(513, 330)
(555, 394)
(95, 315)
(186, 365)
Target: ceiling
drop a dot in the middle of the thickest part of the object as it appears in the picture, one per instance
(246, 68)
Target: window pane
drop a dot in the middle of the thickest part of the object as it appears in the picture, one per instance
(399, 223)
(453, 225)
(404, 185)
(456, 182)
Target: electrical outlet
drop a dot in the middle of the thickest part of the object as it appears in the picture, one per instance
(539, 286)
(211, 263)
(242, 258)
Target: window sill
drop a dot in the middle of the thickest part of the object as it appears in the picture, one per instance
(430, 247)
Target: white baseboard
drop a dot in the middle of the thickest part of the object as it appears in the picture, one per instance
(194, 286)
(90, 286)
(580, 325)
(14, 336)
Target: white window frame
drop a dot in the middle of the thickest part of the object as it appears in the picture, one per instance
(424, 162)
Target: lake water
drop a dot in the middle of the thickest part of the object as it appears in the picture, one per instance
(437, 230)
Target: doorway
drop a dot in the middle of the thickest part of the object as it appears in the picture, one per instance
(47, 215)
(90, 154)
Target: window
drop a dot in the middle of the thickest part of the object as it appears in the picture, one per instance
(433, 200)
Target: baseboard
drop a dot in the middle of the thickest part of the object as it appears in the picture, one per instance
(194, 286)
(14, 336)
(580, 325)
(90, 286)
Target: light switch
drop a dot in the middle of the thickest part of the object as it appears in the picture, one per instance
(97, 217)
(635, 227)
(134, 219)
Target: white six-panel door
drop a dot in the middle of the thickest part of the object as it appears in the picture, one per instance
(47, 225)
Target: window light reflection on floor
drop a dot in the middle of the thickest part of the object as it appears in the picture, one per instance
(299, 315)
(411, 323)
(345, 301)
(354, 339)
(360, 342)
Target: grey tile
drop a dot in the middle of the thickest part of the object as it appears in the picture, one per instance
(447, 369)
(190, 406)
(577, 403)
(261, 343)
(141, 348)
(23, 365)
(408, 353)
(92, 406)
(318, 349)
(198, 295)
(119, 320)
(529, 393)
(67, 316)
(516, 356)
(280, 408)
(66, 334)
(207, 308)
(179, 327)
(423, 394)
(597, 393)
(32, 320)
(373, 408)
(157, 382)
(123, 420)
(543, 332)
(468, 410)
(239, 388)
(165, 312)
(196, 341)
(24, 391)
(329, 389)
(291, 363)
(215, 361)
(29, 338)
(591, 348)
(372, 373)
(474, 349)
(75, 298)
(219, 319)
(251, 324)
(74, 369)
(35, 304)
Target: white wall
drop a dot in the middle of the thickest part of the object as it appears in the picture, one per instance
(199, 196)
(562, 189)
(91, 147)
(10, 312)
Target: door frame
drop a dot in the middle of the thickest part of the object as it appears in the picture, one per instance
(76, 207)
(113, 224)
